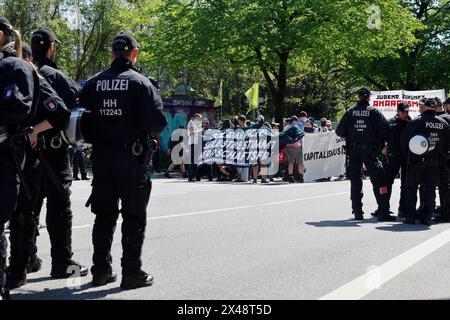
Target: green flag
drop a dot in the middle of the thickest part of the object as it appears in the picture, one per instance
(219, 98)
(253, 96)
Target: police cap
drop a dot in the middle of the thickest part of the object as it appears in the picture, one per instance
(431, 103)
(26, 50)
(43, 36)
(402, 106)
(364, 91)
(124, 41)
(5, 25)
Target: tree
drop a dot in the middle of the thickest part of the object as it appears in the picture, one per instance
(419, 66)
(268, 35)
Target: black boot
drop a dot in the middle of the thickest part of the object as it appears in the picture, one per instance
(359, 215)
(409, 220)
(35, 264)
(386, 217)
(426, 221)
(101, 279)
(66, 270)
(135, 279)
(443, 218)
(15, 280)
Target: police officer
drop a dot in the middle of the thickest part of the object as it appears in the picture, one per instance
(366, 131)
(59, 214)
(125, 109)
(17, 86)
(51, 112)
(396, 158)
(424, 169)
(444, 169)
(78, 164)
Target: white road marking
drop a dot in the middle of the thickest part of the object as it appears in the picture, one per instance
(376, 277)
(195, 213)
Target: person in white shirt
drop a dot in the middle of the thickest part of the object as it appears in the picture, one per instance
(194, 129)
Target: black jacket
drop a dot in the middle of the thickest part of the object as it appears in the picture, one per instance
(444, 116)
(363, 124)
(17, 86)
(396, 127)
(68, 89)
(51, 107)
(435, 129)
(124, 105)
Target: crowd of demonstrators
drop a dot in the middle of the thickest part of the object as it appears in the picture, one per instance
(291, 134)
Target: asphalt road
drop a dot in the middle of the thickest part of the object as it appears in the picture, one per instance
(278, 241)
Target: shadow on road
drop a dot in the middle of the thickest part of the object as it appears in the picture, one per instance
(340, 223)
(63, 293)
(401, 227)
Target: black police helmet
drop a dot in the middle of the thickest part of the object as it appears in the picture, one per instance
(431, 103)
(364, 92)
(5, 25)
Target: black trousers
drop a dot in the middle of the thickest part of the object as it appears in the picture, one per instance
(426, 177)
(116, 177)
(396, 164)
(377, 176)
(59, 213)
(23, 225)
(444, 187)
(9, 191)
(79, 164)
(193, 165)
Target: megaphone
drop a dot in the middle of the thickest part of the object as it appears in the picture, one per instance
(419, 145)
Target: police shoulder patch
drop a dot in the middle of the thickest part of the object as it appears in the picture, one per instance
(9, 92)
(50, 104)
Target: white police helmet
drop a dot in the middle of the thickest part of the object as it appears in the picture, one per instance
(74, 132)
(419, 145)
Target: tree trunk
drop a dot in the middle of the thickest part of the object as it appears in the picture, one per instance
(280, 97)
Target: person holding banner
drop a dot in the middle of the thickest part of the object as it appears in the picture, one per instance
(294, 153)
(366, 131)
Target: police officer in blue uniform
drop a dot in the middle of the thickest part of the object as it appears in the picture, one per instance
(17, 90)
(51, 112)
(396, 159)
(59, 213)
(424, 169)
(366, 132)
(444, 170)
(125, 109)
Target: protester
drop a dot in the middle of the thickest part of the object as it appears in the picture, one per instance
(323, 125)
(294, 152)
(177, 160)
(194, 129)
(242, 121)
(260, 169)
(303, 118)
(310, 126)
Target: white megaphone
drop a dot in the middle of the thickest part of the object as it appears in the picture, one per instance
(419, 145)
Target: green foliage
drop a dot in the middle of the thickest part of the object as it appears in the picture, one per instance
(306, 54)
